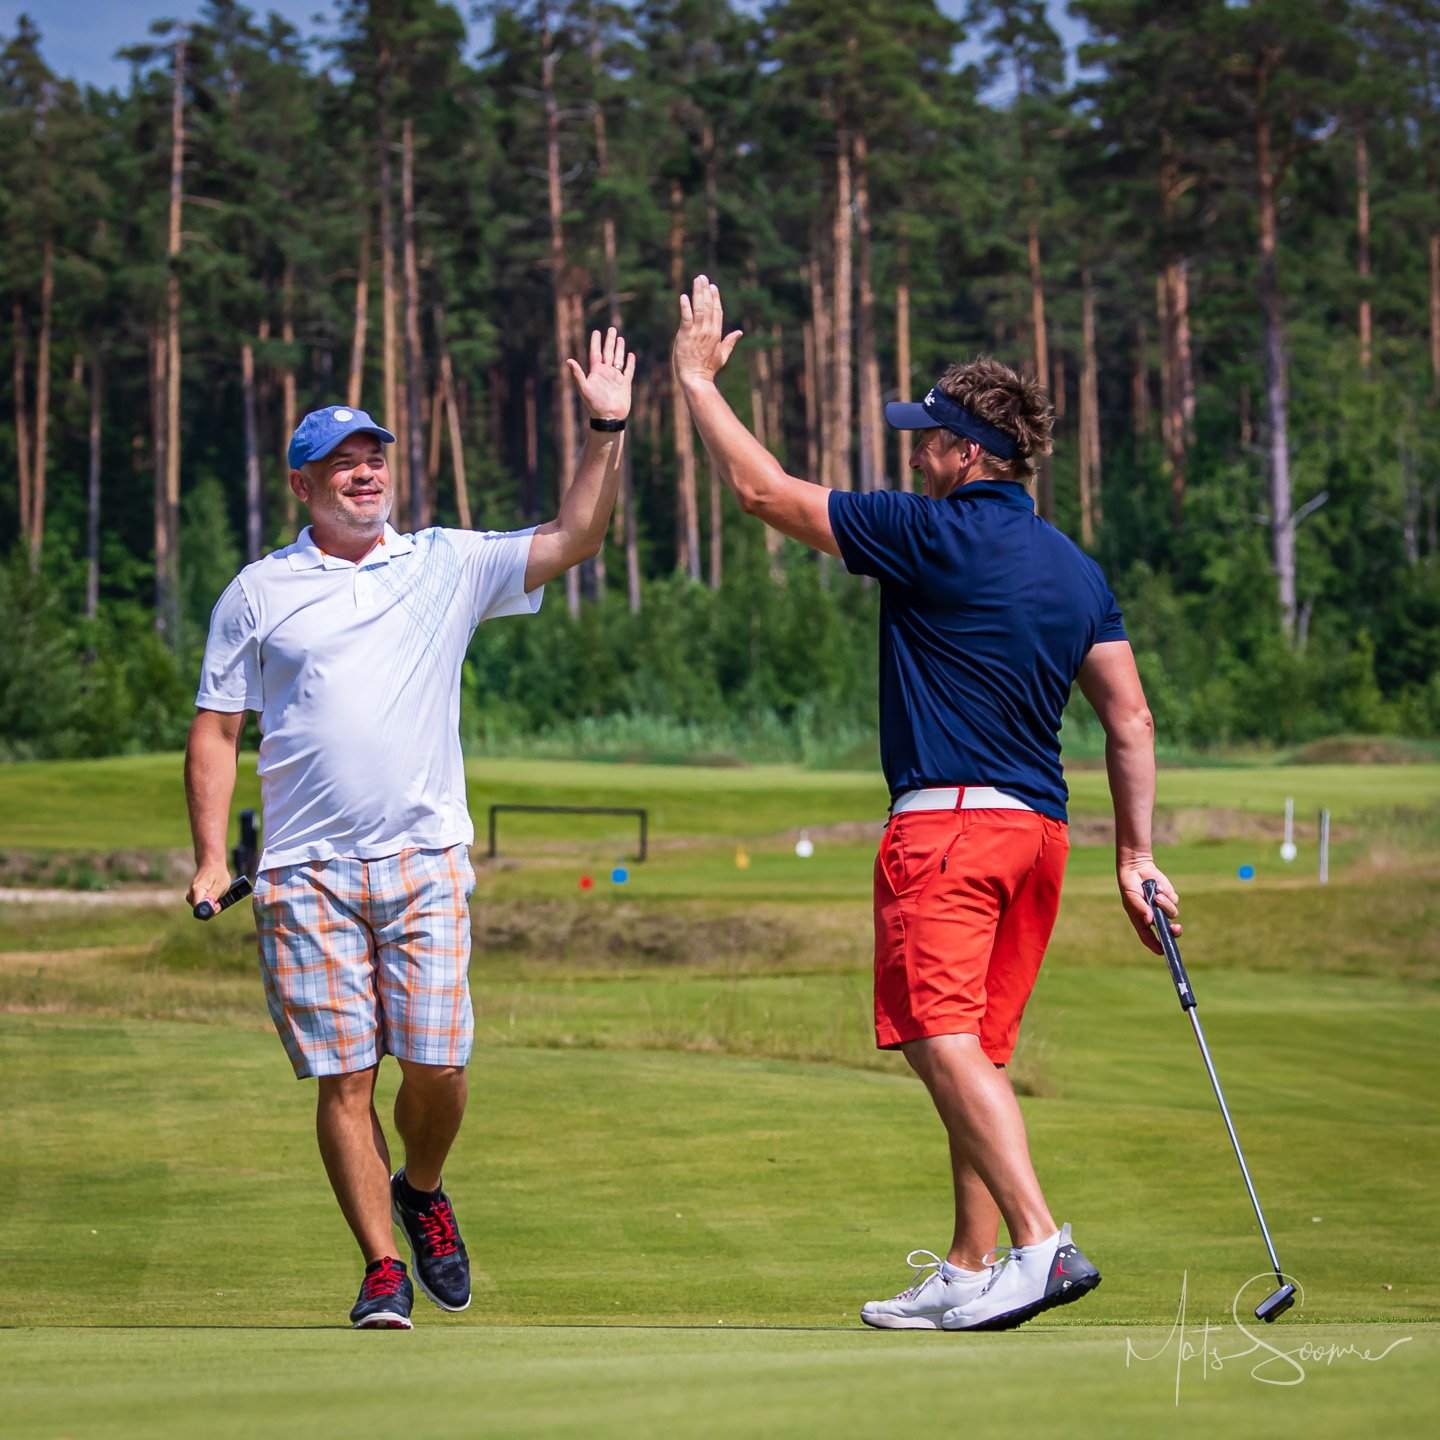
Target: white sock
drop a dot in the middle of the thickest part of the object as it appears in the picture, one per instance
(1048, 1243)
(950, 1272)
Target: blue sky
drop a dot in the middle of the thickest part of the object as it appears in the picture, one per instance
(79, 38)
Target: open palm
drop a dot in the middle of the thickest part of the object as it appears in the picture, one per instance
(606, 389)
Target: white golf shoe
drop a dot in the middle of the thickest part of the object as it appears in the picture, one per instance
(921, 1306)
(1032, 1278)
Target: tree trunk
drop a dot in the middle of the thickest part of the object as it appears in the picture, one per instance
(625, 509)
(1044, 485)
(1282, 519)
(42, 402)
(1140, 390)
(843, 385)
(253, 528)
(1184, 353)
(446, 394)
(1089, 468)
(812, 409)
(356, 384)
(1167, 366)
(872, 435)
(904, 478)
(1362, 232)
(422, 498)
(823, 373)
(712, 203)
(156, 345)
(289, 417)
(168, 574)
(1176, 391)
(1058, 391)
(687, 523)
(559, 278)
(92, 528)
(393, 418)
(437, 419)
(532, 451)
(22, 416)
(1435, 315)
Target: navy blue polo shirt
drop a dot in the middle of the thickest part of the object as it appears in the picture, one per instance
(986, 615)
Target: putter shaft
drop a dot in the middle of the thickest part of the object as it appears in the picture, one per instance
(1186, 993)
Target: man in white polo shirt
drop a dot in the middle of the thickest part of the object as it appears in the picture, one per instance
(349, 644)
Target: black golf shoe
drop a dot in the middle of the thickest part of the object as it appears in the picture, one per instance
(437, 1253)
(386, 1297)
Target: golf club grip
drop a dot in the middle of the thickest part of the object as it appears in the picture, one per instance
(1168, 945)
(208, 909)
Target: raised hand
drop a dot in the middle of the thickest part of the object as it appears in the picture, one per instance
(701, 345)
(606, 389)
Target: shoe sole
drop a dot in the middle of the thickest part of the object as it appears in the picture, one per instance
(385, 1320)
(1013, 1318)
(886, 1322)
(415, 1274)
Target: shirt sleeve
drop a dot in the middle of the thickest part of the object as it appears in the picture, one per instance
(494, 565)
(230, 673)
(882, 533)
(1112, 624)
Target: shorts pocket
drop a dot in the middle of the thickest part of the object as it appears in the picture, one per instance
(913, 853)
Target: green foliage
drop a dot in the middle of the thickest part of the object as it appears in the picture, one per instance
(724, 124)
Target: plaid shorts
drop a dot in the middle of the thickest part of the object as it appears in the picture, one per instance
(363, 958)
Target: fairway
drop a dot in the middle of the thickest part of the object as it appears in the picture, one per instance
(685, 1165)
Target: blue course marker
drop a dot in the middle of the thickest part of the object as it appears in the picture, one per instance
(1246, 872)
(619, 875)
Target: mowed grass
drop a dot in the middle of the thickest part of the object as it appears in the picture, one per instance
(685, 1165)
(136, 802)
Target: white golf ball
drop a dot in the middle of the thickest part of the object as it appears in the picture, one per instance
(805, 848)
(1288, 851)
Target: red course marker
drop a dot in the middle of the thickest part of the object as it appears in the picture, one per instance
(586, 883)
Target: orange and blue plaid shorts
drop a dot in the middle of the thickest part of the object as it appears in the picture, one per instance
(364, 958)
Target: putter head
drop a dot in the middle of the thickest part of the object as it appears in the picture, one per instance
(1276, 1305)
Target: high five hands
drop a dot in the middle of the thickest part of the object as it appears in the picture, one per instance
(701, 345)
(606, 389)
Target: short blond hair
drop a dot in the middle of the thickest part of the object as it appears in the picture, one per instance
(1011, 403)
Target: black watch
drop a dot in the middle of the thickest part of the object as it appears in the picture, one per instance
(611, 425)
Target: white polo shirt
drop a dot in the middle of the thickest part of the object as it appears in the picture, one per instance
(355, 673)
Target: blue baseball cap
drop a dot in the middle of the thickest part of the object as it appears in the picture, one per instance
(322, 430)
(938, 409)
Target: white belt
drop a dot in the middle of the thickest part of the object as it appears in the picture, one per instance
(957, 797)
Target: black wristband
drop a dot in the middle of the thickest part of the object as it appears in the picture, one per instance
(611, 425)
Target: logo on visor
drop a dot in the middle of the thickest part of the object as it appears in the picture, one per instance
(930, 396)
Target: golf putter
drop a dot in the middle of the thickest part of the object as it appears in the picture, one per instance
(208, 909)
(1277, 1304)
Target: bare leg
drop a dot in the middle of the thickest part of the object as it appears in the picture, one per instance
(984, 1123)
(428, 1111)
(356, 1158)
(977, 1217)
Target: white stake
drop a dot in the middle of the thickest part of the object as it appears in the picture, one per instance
(1324, 847)
(1287, 850)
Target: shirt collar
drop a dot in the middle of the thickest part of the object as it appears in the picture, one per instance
(305, 554)
(1007, 492)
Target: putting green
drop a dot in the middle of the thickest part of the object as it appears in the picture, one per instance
(711, 1382)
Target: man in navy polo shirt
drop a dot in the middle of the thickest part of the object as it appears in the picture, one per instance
(988, 617)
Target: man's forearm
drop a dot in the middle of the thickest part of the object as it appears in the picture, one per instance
(589, 502)
(742, 462)
(209, 789)
(1130, 766)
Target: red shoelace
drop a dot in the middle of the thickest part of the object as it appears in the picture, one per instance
(438, 1228)
(387, 1280)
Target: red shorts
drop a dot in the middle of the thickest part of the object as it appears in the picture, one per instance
(965, 901)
